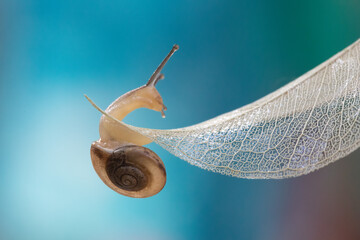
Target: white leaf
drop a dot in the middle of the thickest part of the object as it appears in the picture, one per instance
(299, 128)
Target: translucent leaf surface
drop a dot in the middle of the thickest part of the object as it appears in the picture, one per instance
(299, 128)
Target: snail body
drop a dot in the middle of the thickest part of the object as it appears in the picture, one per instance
(118, 157)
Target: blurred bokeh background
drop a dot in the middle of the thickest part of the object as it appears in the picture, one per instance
(231, 53)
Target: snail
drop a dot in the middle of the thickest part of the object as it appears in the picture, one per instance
(118, 156)
(297, 129)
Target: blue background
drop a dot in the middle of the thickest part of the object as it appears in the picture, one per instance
(231, 53)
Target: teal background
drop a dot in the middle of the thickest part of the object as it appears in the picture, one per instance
(231, 53)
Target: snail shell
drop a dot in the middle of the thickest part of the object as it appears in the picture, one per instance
(131, 170)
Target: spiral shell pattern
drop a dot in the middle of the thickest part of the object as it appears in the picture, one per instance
(125, 174)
